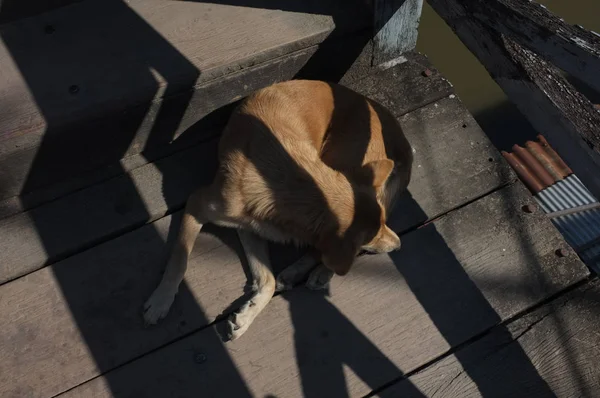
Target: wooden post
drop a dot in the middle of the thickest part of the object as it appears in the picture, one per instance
(571, 48)
(396, 28)
(554, 107)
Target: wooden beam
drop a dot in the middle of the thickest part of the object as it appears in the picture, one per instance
(571, 48)
(550, 103)
(396, 28)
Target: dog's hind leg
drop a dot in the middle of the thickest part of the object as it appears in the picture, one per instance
(296, 272)
(319, 278)
(263, 284)
(197, 212)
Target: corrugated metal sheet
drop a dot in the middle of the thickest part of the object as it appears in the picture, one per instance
(572, 208)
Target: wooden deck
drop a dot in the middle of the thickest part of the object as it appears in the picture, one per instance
(472, 305)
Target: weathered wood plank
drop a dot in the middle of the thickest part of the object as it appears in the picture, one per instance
(105, 91)
(452, 280)
(75, 222)
(454, 162)
(550, 352)
(573, 49)
(66, 323)
(396, 28)
(550, 103)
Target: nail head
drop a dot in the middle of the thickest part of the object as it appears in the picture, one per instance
(528, 208)
(74, 89)
(200, 358)
(561, 252)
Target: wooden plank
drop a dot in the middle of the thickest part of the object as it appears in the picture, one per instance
(403, 87)
(388, 316)
(571, 48)
(396, 28)
(106, 91)
(454, 162)
(551, 352)
(201, 132)
(550, 103)
(76, 222)
(64, 324)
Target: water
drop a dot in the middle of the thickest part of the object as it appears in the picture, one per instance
(482, 96)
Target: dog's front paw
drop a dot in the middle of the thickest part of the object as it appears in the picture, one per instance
(239, 321)
(319, 278)
(157, 306)
(284, 282)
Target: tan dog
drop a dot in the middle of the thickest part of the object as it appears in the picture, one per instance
(302, 161)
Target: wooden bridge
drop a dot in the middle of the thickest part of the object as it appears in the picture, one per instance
(110, 112)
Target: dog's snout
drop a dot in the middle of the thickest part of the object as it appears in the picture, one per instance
(386, 241)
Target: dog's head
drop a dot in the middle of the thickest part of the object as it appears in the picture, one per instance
(366, 229)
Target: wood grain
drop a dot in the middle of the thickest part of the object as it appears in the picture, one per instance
(395, 27)
(453, 279)
(571, 48)
(550, 352)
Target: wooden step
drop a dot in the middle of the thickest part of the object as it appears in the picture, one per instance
(96, 81)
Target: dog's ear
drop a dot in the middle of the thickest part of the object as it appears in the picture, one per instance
(340, 257)
(378, 171)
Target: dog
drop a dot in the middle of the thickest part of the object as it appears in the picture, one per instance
(301, 161)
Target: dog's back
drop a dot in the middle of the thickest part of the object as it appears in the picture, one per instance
(300, 124)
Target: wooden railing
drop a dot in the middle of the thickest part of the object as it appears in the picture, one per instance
(521, 44)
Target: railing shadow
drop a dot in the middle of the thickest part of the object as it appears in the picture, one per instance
(455, 304)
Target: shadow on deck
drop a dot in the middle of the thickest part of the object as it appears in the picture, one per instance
(396, 317)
